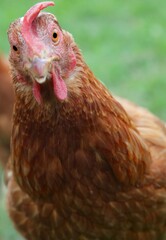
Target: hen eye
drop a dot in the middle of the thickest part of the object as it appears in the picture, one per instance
(15, 48)
(55, 37)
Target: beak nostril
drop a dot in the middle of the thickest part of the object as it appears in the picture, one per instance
(56, 58)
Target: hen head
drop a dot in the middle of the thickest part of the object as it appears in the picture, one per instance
(41, 52)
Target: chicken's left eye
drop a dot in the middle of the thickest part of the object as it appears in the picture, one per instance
(55, 37)
(15, 48)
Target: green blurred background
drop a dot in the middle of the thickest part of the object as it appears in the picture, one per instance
(124, 43)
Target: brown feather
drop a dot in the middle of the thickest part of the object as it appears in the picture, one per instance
(6, 107)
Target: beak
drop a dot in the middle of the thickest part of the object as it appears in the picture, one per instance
(41, 67)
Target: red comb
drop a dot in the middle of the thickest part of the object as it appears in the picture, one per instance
(29, 17)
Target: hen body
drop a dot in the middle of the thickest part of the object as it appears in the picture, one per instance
(82, 167)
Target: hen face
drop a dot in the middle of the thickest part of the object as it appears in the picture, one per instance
(41, 51)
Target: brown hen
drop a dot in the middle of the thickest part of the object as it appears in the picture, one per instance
(82, 169)
(6, 107)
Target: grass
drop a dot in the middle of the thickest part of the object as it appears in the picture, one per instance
(124, 43)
